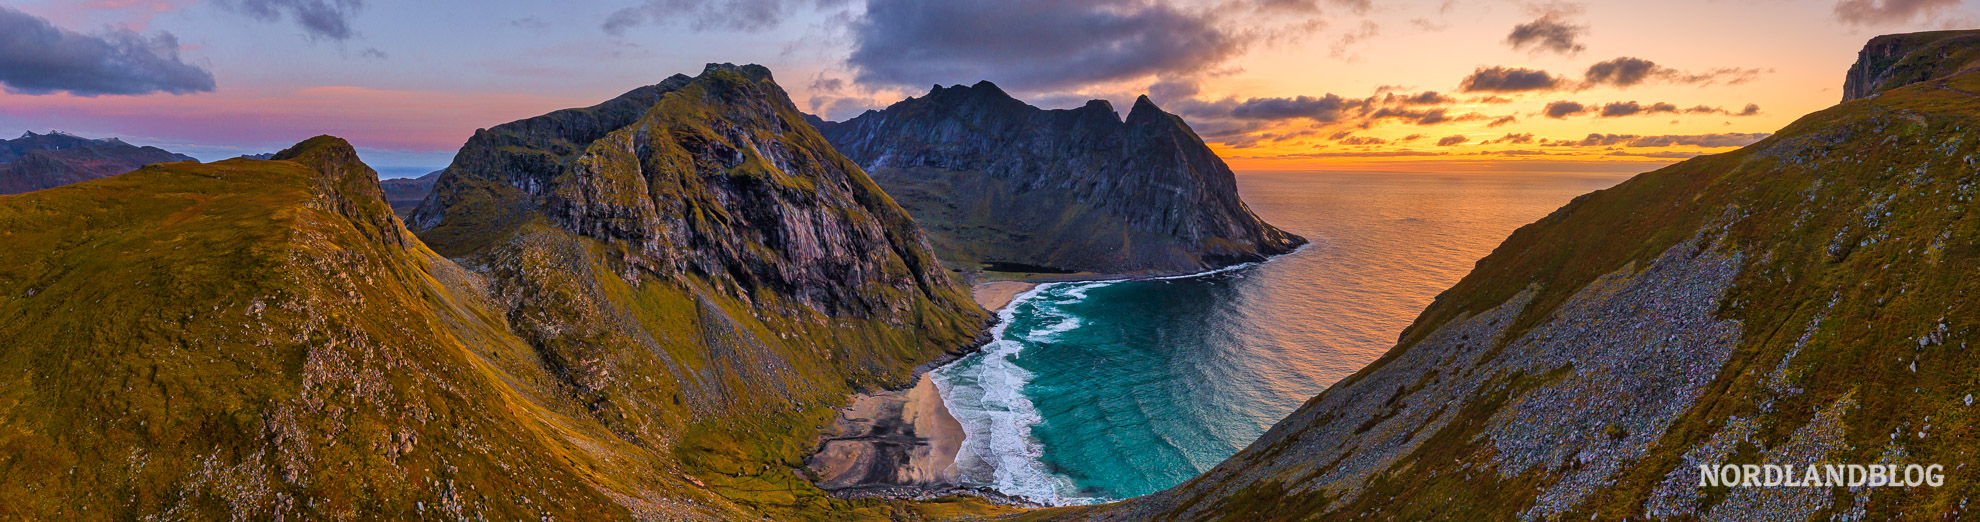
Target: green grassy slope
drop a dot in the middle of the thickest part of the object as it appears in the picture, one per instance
(1808, 298)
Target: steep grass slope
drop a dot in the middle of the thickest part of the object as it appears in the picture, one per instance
(1808, 299)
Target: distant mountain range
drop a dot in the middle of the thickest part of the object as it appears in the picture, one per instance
(38, 161)
(999, 182)
(405, 193)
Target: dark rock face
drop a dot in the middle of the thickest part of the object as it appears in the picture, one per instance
(38, 161)
(405, 194)
(996, 180)
(1896, 60)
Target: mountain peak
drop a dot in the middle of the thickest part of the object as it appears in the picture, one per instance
(1144, 110)
(751, 71)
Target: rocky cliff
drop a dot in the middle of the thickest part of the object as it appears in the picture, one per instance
(38, 161)
(1896, 60)
(994, 180)
(697, 266)
(1804, 300)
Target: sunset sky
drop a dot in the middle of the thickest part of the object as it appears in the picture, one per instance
(1273, 84)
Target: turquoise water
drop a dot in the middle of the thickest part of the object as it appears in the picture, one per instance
(1099, 391)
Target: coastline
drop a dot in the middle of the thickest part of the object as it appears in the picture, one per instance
(903, 443)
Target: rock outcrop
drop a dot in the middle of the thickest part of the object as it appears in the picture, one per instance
(1896, 60)
(38, 161)
(994, 180)
(1805, 300)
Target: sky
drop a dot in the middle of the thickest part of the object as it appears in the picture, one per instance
(1441, 85)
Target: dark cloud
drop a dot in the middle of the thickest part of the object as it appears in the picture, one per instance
(1883, 12)
(1363, 140)
(1512, 139)
(1563, 109)
(1341, 135)
(320, 19)
(1410, 138)
(711, 15)
(1502, 121)
(1734, 139)
(1509, 79)
(1451, 140)
(1324, 109)
(38, 58)
(1630, 71)
(1431, 116)
(1631, 108)
(1621, 72)
(1033, 45)
(1549, 33)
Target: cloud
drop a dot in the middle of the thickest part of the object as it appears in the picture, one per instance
(1502, 121)
(1451, 140)
(320, 19)
(1632, 108)
(1563, 109)
(1324, 109)
(1509, 79)
(1734, 139)
(1512, 139)
(710, 15)
(1887, 12)
(1548, 33)
(1344, 47)
(1363, 140)
(1629, 71)
(38, 58)
(1033, 45)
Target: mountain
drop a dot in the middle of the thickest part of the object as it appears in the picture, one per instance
(996, 181)
(38, 161)
(263, 340)
(701, 270)
(405, 193)
(1804, 300)
(654, 319)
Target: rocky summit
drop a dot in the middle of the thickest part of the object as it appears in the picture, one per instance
(38, 161)
(996, 181)
(1805, 300)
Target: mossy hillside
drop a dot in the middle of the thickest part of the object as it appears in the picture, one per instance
(261, 339)
(709, 281)
(1856, 281)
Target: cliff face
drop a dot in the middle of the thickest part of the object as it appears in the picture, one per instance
(1805, 300)
(696, 265)
(1896, 60)
(995, 180)
(38, 161)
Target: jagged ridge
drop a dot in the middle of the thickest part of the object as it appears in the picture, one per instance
(38, 161)
(996, 180)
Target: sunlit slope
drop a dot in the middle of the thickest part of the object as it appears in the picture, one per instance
(1807, 299)
(263, 339)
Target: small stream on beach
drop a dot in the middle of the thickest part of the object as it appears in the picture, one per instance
(1096, 391)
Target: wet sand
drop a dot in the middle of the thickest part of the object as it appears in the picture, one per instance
(996, 295)
(900, 443)
(891, 442)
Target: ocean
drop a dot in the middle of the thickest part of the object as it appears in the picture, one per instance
(1098, 391)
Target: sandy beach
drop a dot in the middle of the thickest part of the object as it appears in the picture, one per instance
(995, 295)
(890, 442)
